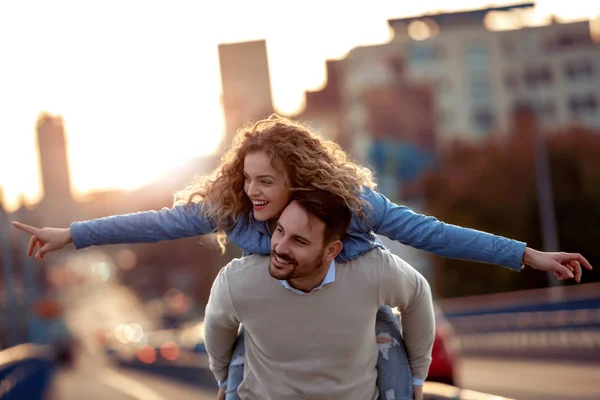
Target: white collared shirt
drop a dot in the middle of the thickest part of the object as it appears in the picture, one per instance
(329, 278)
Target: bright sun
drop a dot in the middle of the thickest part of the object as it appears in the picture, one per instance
(135, 101)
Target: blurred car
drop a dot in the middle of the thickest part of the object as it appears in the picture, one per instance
(190, 340)
(444, 355)
(48, 327)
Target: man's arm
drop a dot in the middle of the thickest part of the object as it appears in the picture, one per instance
(404, 287)
(221, 326)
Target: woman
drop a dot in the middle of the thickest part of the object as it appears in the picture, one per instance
(252, 185)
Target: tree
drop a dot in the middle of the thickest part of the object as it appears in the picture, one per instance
(491, 187)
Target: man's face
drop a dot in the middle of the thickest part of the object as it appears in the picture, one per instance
(297, 248)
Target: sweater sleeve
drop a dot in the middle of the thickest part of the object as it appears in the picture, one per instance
(221, 326)
(404, 287)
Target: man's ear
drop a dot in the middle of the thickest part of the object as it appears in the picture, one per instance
(333, 249)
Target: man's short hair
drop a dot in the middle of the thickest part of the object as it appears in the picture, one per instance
(327, 207)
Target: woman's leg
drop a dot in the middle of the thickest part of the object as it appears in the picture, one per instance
(236, 368)
(394, 378)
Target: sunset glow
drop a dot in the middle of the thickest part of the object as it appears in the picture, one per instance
(138, 82)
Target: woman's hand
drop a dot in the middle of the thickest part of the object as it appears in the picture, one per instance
(45, 239)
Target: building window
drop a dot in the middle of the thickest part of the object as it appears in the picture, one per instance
(483, 120)
(568, 41)
(422, 53)
(480, 88)
(477, 57)
(535, 77)
(581, 70)
(583, 104)
(480, 91)
(573, 39)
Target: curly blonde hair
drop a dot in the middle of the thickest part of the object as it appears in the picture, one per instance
(310, 161)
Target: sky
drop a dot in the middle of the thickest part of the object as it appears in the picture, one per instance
(137, 81)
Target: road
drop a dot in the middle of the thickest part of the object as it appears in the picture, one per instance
(118, 384)
(95, 306)
(92, 306)
(94, 379)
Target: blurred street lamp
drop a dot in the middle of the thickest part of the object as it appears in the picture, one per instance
(528, 128)
(9, 286)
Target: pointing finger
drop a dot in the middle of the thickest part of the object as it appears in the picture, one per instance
(26, 228)
(581, 259)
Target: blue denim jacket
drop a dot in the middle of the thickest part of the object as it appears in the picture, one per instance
(253, 237)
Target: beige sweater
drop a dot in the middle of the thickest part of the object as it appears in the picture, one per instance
(319, 345)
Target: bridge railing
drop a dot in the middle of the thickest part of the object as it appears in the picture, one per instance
(25, 372)
(558, 323)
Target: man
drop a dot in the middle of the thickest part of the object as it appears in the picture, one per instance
(307, 336)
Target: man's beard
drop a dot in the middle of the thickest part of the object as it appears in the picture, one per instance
(293, 269)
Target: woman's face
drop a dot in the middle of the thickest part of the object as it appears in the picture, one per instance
(265, 186)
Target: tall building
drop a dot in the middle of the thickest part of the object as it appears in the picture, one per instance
(479, 75)
(54, 166)
(246, 85)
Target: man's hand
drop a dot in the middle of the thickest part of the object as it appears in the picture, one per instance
(47, 239)
(418, 392)
(564, 265)
(221, 393)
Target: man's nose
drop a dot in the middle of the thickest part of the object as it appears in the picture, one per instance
(281, 247)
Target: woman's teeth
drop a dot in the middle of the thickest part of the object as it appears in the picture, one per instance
(259, 203)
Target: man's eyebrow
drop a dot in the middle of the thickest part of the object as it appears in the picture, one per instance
(295, 236)
(302, 238)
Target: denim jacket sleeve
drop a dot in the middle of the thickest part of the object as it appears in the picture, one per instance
(427, 233)
(142, 227)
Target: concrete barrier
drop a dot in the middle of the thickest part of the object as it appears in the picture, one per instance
(201, 376)
(440, 391)
(194, 372)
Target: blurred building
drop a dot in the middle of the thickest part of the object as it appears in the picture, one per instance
(374, 112)
(56, 207)
(323, 107)
(479, 75)
(402, 147)
(246, 85)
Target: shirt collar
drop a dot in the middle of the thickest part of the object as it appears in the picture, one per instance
(329, 278)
